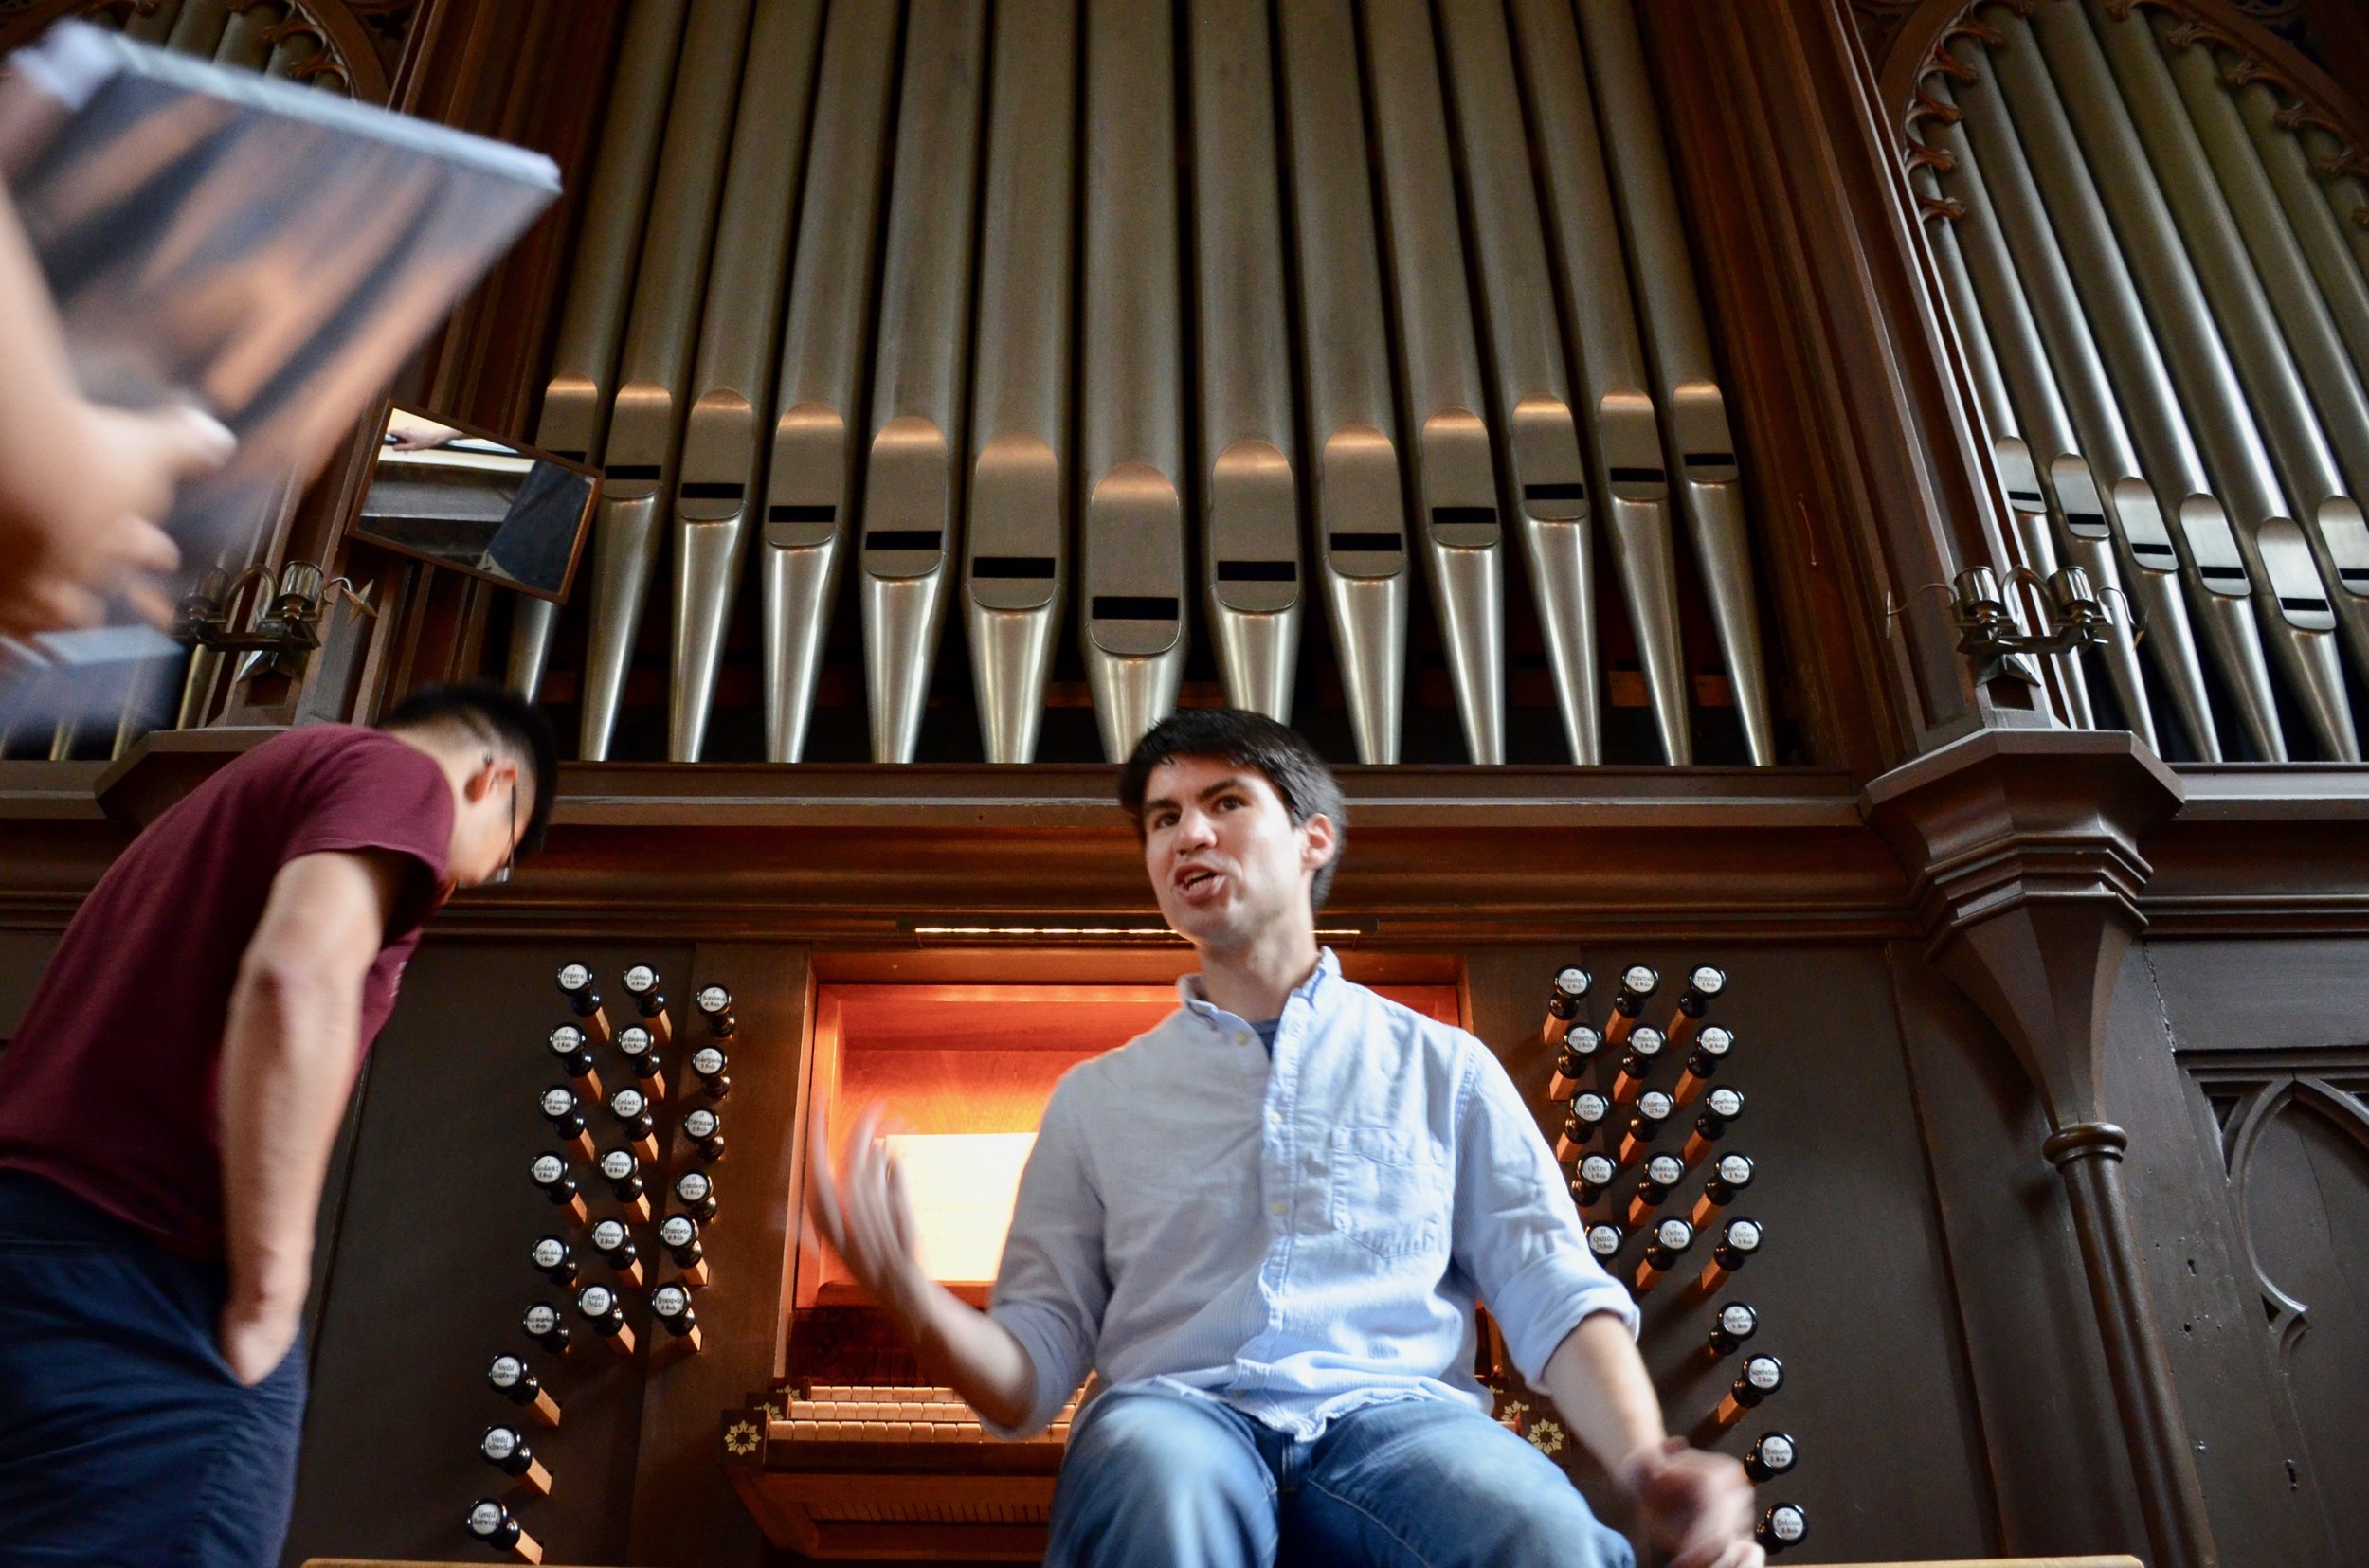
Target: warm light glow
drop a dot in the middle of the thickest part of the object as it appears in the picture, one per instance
(963, 1186)
(1161, 932)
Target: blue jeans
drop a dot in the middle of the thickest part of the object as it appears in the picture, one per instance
(123, 1436)
(1158, 1480)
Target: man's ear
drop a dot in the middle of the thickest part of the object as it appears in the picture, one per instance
(490, 775)
(1319, 842)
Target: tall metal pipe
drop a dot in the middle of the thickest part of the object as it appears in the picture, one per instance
(1015, 547)
(2346, 192)
(811, 481)
(574, 419)
(1701, 445)
(1455, 481)
(244, 45)
(199, 27)
(645, 424)
(1359, 508)
(1250, 491)
(2290, 593)
(1131, 428)
(152, 27)
(1543, 476)
(912, 479)
(2290, 352)
(2026, 113)
(2340, 285)
(723, 451)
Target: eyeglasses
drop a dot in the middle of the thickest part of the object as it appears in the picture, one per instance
(509, 854)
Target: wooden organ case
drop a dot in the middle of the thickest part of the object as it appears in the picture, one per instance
(1742, 381)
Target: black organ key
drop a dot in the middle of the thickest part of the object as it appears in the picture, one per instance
(564, 1109)
(602, 1308)
(671, 1305)
(1595, 1173)
(1703, 984)
(716, 1005)
(513, 1380)
(642, 984)
(708, 1063)
(507, 1451)
(491, 1522)
(554, 1259)
(641, 1050)
(1645, 1124)
(696, 1194)
(705, 1129)
(1581, 1125)
(621, 1168)
(549, 1172)
(1729, 1179)
(573, 1049)
(1605, 1241)
(635, 1118)
(1563, 999)
(544, 1326)
(1581, 1046)
(1737, 1323)
(1737, 1243)
(1772, 1455)
(576, 983)
(1637, 983)
(679, 1236)
(1636, 1063)
(1671, 1238)
(614, 1242)
(1763, 1376)
(1784, 1525)
(1711, 1047)
(1662, 1173)
(1721, 1110)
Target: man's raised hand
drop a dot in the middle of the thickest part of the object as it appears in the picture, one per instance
(1698, 1506)
(863, 1211)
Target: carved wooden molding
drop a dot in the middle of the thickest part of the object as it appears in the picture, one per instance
(354, 43)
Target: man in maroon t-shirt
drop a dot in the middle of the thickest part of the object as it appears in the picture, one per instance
(167, 1107)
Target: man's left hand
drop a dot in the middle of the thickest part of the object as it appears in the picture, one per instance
(1698, 1506)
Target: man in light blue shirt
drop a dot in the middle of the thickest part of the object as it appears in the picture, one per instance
(1265, 1224)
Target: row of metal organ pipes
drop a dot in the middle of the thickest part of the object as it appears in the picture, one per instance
(1233, 305)
(2155, 258)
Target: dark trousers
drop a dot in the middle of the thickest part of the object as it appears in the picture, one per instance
(124, 1439)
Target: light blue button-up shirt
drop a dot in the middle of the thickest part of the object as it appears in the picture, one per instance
(1298, 1236)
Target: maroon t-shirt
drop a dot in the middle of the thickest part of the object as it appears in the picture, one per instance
(108, 1087)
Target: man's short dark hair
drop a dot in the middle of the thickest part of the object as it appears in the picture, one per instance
(501, 718)
(1305, 785)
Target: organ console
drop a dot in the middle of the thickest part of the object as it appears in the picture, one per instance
(614, 1242)
(1671, 1238)
(623, 1169)
(513, 1380)
(509, 1452)
(708, 1063)
(1730, 1177)
(1597, 1171)
(1645, 1124)
(601, 1306)
(1638, 984)
(716, 1005)
(1645, 1047)
(492, 1523)
(1737, 1323)
(1712, 1046)
(1720, 1112)
(561, 1107)
(1564, 998)
(641, 1051)
(641, 983)
(696, 1194)
(1784, 1525)
(1662, 1173)
(1736, 1246)
(576, 983)
(705, 1129)
(671, 1306)
(1581, 1046)
(679, 1235)
(1772, 1455)
(1763, 1376)
(546, 1328)
(549, 1172)
(632, 1109)
(1696, 1000)
(1581, 1126)
(554, 1260)
(572, 1050)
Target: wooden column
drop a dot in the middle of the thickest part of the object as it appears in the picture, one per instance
(2021, 849)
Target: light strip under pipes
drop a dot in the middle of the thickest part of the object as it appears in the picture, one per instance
(646, 425)
(912, 479)
(1250, 493)
(1544, 477)
(574, 419)
(2306, 392)
(2341, 286)
(2287, 590)
(2013, 457)
(2025, 112)
(1701, 443)
(809, 482)
(1130, 427)
(723, 451)
(1453, 471)
(2098, 480)
(1353, 423)
(1016, 543)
